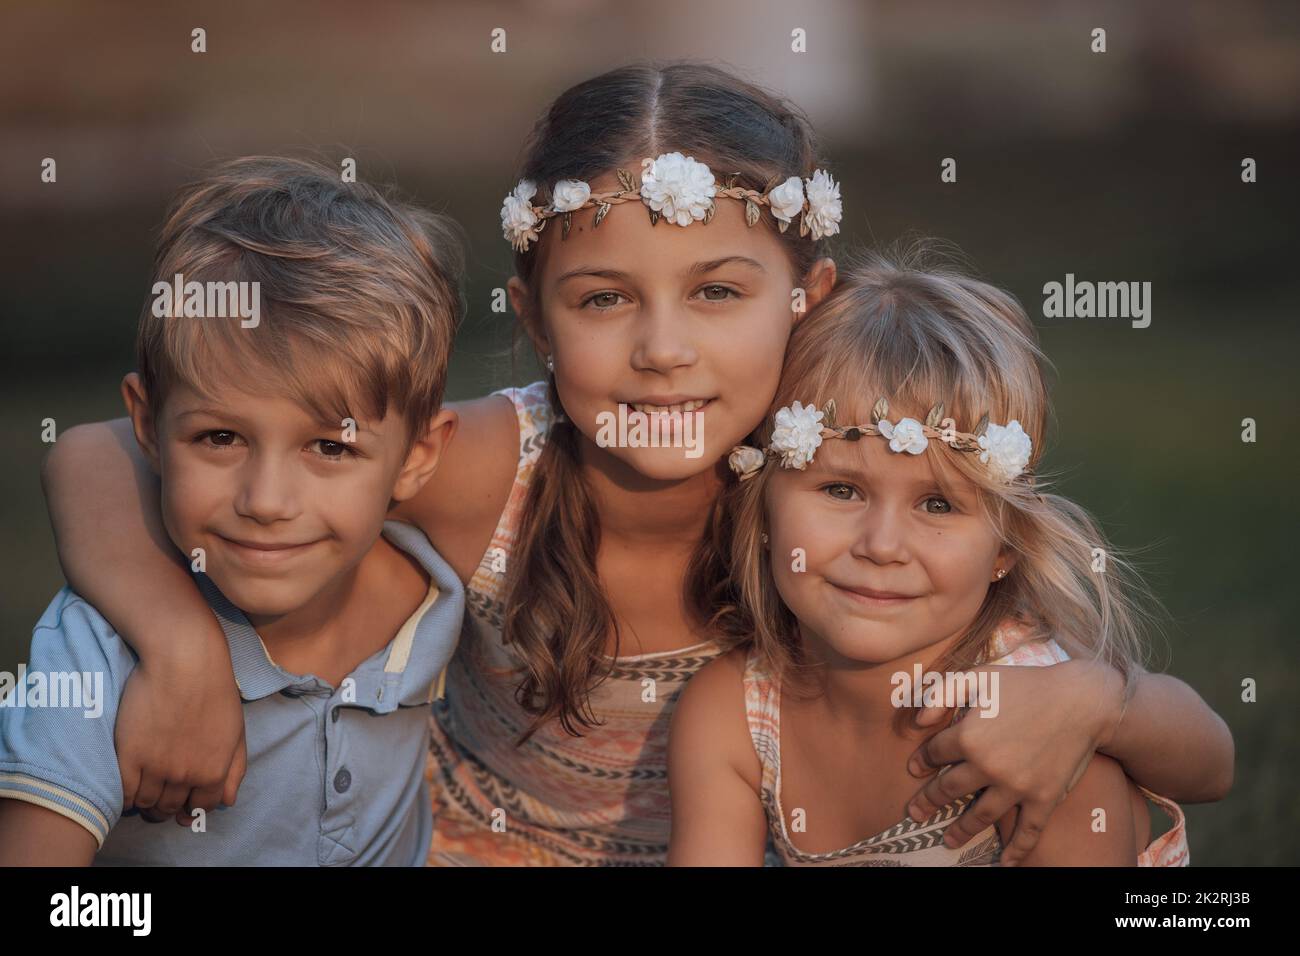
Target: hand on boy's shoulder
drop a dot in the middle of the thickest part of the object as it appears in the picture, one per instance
(459, 507)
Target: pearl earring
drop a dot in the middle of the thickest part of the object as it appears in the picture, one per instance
(763, 536)
(1001, 573)
(550, 364)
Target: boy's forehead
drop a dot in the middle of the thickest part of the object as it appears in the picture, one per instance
(251, 406)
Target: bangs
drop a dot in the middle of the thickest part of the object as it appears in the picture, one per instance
(217, 357)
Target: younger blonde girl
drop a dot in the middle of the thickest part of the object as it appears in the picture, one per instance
(894, 526)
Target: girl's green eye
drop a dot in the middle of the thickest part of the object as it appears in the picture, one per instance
(602, 300)
(943, 506)
(840, 492)
(726, 293)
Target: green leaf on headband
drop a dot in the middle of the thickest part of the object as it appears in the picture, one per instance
(983, 425)
(935, 416)
(782, 225)
(879, 411)
(709, 211)
(731, 180)
(625, 180)
(751, 212)
(654, 216)
(601, 212)
(829, 411)
(568, 223)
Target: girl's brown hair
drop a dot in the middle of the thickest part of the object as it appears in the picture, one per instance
(557, 616)
(910, 327)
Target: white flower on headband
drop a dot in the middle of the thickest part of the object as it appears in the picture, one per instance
(678, 187)
(745, 460)
(787, 199)
(824, 209)
(1006, 450)
(797, 435)
(908, 435)
(518, 220)
(569, 194)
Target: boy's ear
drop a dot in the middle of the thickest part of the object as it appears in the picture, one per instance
(818, 284)
(522, 303)
(142, 418)
(426, 451)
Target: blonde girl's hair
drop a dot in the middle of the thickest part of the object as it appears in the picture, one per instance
(910, 326)
(557, 617)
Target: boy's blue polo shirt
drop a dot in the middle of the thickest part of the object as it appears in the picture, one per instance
(335, 775)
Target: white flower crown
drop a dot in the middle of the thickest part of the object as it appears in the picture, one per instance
(799, 431)
(682, 190)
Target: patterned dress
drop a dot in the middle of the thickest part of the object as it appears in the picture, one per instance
(909, 843)
(599, 799)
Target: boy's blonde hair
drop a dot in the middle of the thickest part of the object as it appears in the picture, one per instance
(360, 293)
(912, 328)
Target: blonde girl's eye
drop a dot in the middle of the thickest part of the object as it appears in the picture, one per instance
(602, 300)
(840, 491)
(936, 505)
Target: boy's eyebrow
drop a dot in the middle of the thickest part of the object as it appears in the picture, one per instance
(224, 413)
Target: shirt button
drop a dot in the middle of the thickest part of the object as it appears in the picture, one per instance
(334, 715)
(342, 780)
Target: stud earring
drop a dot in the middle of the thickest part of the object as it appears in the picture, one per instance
(550, 364)
(1001, 573)
(763, 537)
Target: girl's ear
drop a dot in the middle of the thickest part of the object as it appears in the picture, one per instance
(1006, 560)
(818, 283)
(522, 303)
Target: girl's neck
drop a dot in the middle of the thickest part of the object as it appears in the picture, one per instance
(638, 509)
(863, 693)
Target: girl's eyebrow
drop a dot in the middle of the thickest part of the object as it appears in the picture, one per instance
(699, 268)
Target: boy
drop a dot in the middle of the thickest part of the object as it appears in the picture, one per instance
(291, 362)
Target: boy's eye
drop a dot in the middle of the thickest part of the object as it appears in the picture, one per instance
(219, 439)
(726, 291)
(603, 300)
(332, 449)
(935, 505)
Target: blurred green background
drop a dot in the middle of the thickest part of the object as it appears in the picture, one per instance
(1123, 166)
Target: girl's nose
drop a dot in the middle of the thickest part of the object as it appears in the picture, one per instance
(664, 340)
(882, 536)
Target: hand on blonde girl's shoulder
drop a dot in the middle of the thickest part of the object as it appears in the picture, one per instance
(459, 507)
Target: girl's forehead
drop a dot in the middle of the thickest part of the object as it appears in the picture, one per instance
(626, 242)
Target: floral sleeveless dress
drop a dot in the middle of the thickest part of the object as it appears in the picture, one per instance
(557, 800)
(909, 843)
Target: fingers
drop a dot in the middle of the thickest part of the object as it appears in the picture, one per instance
(1029, 830)
(991, 806)
(235, 775)
(172, 799)
(943, 790)
(130, 785)
(935, 752)
(149, 791)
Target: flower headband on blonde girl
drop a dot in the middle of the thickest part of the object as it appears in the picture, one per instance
(1003, 449)
(682, 190)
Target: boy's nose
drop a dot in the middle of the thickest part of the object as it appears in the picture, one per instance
(267, 492)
